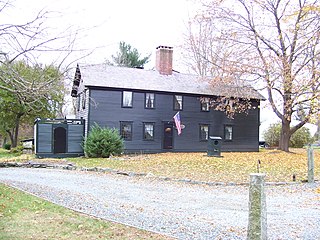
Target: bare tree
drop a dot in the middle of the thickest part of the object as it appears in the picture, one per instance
(31, 91)
(274, 44)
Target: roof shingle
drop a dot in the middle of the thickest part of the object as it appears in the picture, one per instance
(102, 75)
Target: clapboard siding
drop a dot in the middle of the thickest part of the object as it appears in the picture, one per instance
(75, 138)
(45, 138)
(107, 111)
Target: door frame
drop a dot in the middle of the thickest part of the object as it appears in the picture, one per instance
(164, 126)
(54, 127)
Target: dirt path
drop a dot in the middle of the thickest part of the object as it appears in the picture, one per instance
(181, 210)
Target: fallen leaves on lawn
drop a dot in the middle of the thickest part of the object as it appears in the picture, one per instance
(232, 167)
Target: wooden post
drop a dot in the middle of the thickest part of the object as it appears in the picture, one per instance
(257, 226)
(310, 165)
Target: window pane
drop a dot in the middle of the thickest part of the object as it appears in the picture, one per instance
(78, 102)
(149, 100)
(178, 102)
(228, 133)
(127, 99)
(84, 100)
(204, 132)
(148, 131)
(205, 105)
(126, 130)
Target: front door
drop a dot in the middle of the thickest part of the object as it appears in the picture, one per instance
(168, 135)
(59, 140)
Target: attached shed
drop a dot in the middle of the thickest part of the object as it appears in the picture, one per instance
(59, 138)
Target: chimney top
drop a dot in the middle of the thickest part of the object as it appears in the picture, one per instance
(164, 60)
(164, 47)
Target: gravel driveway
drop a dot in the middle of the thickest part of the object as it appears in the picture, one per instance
(181, 210)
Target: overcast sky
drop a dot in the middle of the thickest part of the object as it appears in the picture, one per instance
(145, 24)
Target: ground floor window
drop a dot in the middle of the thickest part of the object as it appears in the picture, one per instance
(228, 132)
(126, 130)
(204, 132)
(148, 131)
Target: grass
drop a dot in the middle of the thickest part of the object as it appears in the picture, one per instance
(232, 167)
(7, 156)
(24, 216)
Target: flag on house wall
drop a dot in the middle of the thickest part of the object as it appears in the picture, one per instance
(177, 121)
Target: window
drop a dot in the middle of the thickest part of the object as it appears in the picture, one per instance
(78, 102)
(84, 100)
(228, 133)
(149, 100)
(204, 132)
(177, 102)
(126, 99)
(205, 104)
(126, 130)
(148, 131)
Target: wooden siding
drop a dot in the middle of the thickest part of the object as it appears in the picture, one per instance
(107, 111)
(45, 137)
(44, 141)
(75, 138)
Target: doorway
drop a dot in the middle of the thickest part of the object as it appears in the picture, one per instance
(59, 140)
(168, 135)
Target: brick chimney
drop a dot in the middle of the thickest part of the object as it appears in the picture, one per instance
(164, 60)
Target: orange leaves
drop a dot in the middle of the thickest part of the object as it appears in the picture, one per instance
(232, 167)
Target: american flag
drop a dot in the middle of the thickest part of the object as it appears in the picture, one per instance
(177, 122)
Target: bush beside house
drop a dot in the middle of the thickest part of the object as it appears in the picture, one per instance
(103, 142)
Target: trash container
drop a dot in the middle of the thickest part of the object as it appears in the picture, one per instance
(214, 146)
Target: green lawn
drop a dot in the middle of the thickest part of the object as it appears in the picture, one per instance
(232, 167)
(23, 216)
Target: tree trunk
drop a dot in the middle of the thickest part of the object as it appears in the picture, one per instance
(285, 136)
(16, 131)
(10, 136)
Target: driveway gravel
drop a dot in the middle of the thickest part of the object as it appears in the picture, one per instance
(180, 210)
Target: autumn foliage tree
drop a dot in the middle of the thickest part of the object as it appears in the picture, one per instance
(274, 44)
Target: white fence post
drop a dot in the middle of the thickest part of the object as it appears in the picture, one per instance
(257, 226)
(310, 165)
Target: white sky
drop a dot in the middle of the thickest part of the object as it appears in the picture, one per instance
(144, 24)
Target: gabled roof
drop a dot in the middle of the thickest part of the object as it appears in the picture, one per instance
(102, 75)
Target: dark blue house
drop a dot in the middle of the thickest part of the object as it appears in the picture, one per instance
(141, 104)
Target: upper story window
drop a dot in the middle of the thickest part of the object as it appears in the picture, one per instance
(149, 100)
(178, 102)
(205, 105)
(127, 99)
(204, 132)
(148, 131)
(126, 130)
(228, 132)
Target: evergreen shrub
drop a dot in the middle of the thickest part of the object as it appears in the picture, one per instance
(103, 142)
(7, 146)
